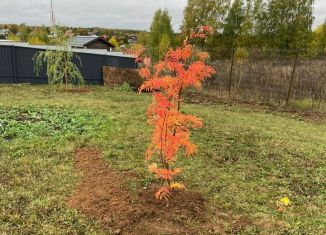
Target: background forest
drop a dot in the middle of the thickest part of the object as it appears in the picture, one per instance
(239, 26)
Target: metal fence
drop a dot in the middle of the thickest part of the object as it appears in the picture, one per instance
(270, 77)
(17, 65)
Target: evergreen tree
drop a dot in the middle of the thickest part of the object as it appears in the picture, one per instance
(288, 24)
(143, 38)
(259, 23)
(204, 12)
(320, 36)
(161, 29)
(248, 37)
(39, 36)
(165, 44)
(23, 33)
(233, 26)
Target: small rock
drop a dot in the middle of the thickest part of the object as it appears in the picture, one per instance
(117, 231)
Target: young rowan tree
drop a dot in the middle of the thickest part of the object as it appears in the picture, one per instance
(180, 69)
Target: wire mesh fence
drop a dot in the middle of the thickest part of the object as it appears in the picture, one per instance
(269, 76)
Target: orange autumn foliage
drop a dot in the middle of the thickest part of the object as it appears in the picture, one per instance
(180, 69)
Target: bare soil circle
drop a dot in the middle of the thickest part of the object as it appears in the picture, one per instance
(101, 196)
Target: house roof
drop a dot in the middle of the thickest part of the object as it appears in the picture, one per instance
(76, 50)
(4, 31)
(83, 41)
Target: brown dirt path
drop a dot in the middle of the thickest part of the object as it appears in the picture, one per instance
(100, 195)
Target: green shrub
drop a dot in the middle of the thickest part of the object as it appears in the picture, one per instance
(241, 54)
(306, 104)
(124, 87)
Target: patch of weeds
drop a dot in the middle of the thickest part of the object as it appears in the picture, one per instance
(307, 105)
(30, 122)
(125, 87)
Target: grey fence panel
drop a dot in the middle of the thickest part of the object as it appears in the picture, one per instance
(90, 67)
(120, 62)
(112, 61)
(6, 65)
(25, 67)
(125, 62)
(17, 65)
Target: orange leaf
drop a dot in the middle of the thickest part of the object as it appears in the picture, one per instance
(163, 192)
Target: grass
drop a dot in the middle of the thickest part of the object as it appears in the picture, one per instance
(300, 105)
(247, 160)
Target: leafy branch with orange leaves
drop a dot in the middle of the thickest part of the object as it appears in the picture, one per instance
(180, 69)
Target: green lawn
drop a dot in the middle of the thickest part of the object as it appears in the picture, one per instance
(247, 160)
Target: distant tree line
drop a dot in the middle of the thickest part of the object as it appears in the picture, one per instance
(39, 35)
(242, 25)
(239, 27)
(24, 33)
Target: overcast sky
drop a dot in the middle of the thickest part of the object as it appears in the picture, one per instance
(127, 14)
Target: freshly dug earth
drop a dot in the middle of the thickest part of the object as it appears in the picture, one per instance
(100, 195)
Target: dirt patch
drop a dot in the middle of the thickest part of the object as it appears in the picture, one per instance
(26, 117)
(100, 195)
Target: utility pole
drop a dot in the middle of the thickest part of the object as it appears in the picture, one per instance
(52, 15)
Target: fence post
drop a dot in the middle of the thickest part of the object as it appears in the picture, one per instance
(13, 60)
(102, 72)
(292, 77)
(231, 73)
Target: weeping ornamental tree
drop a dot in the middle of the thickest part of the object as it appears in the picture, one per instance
(58, 60)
